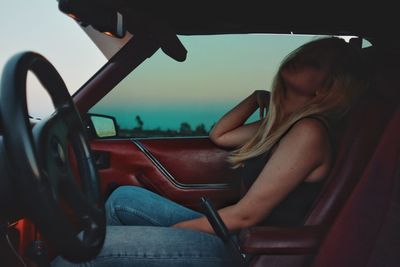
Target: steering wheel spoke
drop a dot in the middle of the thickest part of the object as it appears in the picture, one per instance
(69, 191)
(50, 139)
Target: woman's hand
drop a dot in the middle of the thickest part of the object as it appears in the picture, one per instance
(262, 99)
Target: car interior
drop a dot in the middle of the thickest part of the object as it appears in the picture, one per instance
(56, 173)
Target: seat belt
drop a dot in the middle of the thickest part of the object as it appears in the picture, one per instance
(222, 232)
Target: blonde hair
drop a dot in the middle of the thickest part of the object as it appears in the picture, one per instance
(343, 83)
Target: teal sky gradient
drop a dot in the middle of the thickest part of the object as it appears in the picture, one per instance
(38, 25)
(219, 70)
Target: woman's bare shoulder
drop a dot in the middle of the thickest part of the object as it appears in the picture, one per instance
(309, 126)
(310, 131)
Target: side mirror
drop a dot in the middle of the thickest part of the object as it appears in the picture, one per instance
(103, 126)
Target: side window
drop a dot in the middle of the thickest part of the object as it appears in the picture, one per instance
(165, 98)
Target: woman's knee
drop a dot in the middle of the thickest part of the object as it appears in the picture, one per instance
(127, 194)
(123, 196)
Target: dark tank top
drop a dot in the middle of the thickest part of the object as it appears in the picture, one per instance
(293, 209)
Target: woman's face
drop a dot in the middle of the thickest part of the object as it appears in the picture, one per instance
(303, 79)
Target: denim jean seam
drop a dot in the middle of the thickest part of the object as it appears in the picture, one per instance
(114, 215)
(164, 257)
(176, 255)
(137, 213)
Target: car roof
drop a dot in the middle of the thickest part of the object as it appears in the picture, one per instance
(375, 22)
(328, 18)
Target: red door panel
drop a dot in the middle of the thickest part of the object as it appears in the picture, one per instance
(180, 169)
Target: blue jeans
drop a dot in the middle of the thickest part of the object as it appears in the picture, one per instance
(131, 205)
(139, 234)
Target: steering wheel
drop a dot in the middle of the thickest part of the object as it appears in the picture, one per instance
(41, 173)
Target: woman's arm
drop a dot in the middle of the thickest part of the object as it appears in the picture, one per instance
(230, 130)
(303, 154)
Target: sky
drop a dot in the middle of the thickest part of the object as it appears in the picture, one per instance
(38, 25)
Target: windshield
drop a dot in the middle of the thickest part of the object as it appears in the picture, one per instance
(40, 27)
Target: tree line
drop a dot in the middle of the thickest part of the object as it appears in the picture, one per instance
(138, 130)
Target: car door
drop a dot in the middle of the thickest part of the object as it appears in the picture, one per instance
(180, 169)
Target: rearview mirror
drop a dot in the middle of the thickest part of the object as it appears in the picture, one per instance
(104, 126)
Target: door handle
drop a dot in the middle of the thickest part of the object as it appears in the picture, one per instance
(101, 159)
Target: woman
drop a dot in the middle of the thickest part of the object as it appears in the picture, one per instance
(283, 158)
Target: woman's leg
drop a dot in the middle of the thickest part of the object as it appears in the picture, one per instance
(157, 246)
(132, 205)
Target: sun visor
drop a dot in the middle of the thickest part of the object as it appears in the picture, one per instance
(158, 30)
